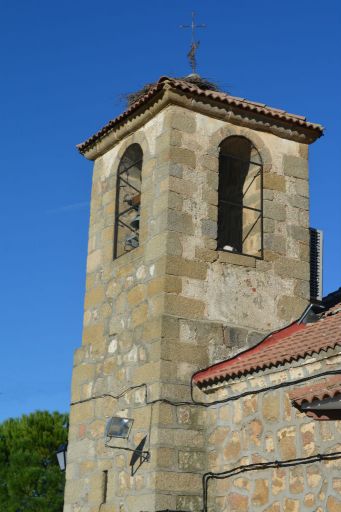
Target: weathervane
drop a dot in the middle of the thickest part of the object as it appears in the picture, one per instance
(194, 44)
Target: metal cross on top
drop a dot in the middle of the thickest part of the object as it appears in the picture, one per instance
(194, 43)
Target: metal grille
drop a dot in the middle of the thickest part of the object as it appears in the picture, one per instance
(316, 257)
(240, 209)
(128, 199)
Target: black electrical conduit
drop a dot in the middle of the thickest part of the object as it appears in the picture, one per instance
(241, 469)
(263, 465)
(208, 404)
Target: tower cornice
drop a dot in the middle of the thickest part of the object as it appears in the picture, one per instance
(235, 110)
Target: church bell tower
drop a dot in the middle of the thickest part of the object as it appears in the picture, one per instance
(198, 247)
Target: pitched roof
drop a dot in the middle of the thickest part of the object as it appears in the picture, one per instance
(313, 394)
(329, 387)
(187, 87)
(292, 343)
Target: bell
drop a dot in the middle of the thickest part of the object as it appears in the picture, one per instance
(133, 200)
(135, 223)
(132, 241)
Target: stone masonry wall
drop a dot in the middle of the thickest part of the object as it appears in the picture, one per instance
(174, 305)
(265, 427)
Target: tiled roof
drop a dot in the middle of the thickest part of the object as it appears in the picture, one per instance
(186, 87)
(292, 343)
(329, 387)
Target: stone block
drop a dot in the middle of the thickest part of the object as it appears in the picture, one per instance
(175, 201)
(275, 243)
(182, 156)
(304, 251)
(302, 187)
(287, 443)
(156, 286)
(237, 502)
(268, 225)
(183, 267)
(286, 267)
(170, 327)
(173, 284)
(180, 222)
(232, 448)
(139, 315)
(183, 187)
(271, 406)
(183, 121)
(175, 170)
(295, 166)
(183, 352)
(212, 178)
(299, 202)
(190, 502)
(235, 336)
(151, 330)
(212, 213)
(274, 182)
(218, 436)
(93, 333)
(333, 504)
(136, 294)
(260, 494)
(299, 233)
(192, 460)
(209, 228)
(255, 429)
(177, 482)
(208, 255)
(81, 413)
(155, 247)
(83, 373)
(166, 458)
(160, 204)
(268, 194)
(304, 150)
(236, 259)
(183, 306)
(291, 505)
(296, 480)
(273, 210)
(94, 261)
(210, 196)
(173, 243)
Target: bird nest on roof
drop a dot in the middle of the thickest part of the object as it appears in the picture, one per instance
(193, 79)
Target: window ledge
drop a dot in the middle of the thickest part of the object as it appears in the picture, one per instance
(237, 259)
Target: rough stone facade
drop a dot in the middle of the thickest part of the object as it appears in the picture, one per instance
(264, 426)
(174, 305)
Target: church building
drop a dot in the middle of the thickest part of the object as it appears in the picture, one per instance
(208, 376)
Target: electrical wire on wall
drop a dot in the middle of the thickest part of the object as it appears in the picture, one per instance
(194, 402)
(145, 452)
(261, 466)
(240, 469)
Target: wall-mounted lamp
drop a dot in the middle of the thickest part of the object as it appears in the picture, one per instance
(61, 456)
(118, 427)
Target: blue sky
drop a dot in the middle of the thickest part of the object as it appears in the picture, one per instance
(65, 66)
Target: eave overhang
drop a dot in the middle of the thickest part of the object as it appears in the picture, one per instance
(215, 104)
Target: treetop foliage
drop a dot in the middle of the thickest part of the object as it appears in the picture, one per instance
(30, 478)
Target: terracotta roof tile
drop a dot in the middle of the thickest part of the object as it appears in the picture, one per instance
(329, 387)
(182, 85)
(295, 342)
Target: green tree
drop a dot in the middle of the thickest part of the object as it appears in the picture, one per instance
(30, 478)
